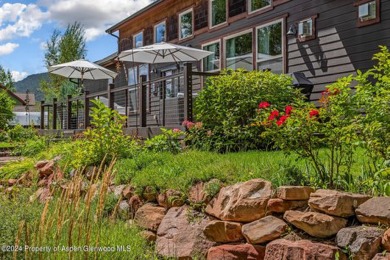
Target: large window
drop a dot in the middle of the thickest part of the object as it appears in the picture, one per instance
(159, 32)
(270, 47)
(254, 5)
(133, 79)
(185, 24)
(138, 40)
(217, 9)
(212, 62)
(239, 52)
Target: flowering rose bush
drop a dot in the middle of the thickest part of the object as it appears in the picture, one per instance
(324, 136)
(227, 108)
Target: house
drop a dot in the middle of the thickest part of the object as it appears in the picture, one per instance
(325, 39)
(25, 110)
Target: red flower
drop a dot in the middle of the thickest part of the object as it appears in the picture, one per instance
(313, 112)
(281, 120)
(264, 104)
(274, 114)
(288, 110)
(188, 124)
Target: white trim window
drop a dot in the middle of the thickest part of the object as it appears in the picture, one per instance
(256, 5)
(238, 51)
(305, 28)
(212, 62)
(138, 40)
(186, 25)
(218, 12)
(160, 32)
(367, 11)
(270, 46)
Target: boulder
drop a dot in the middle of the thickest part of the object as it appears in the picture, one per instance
(294, 192)
(375, 211)
(302, 249)
(336, 203)
(242, 202)
(170, 198)
(314, 223)
(197, 194)
(148, 235)
(118, 190)
(128, 192)
(149, 216)
(180, 234)
(362, 242)
(281, 206)
(124, 210)
(386, 240)
(264, 230)
(236, 252)
(135, 203)
(223, 231)
(12, 182)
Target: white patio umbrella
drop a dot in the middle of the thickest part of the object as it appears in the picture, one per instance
(163, 53)
(82, 69)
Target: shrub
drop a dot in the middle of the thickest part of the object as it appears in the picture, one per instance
(19, 133)
(305, 129)
(227, 106)
(31, 147)
(168, 141)
(6, 108)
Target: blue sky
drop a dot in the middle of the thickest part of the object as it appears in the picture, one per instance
(25, 26)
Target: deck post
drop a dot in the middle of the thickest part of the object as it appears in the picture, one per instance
(110, 95)
(143, 94)
(42, 114)
(86, 109)
(68, 111)
(188, 114)
(54, 113)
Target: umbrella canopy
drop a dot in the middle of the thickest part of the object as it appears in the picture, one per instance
(163, 53)
(82, 69)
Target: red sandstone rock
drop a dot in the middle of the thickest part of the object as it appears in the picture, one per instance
(197, 194)
(314, 223)
(128, 192)
(170, 198)
(135, 203)
(264, 230)
(149, 216)
(362, 242)
(242, 202)
(148, 235)
(374, 211)
(180, 234)
(282, 249)
(336, 203)
(46, 170)
(236, 252)
(382, 256)
(12, 182)
(281, 206)
(294, 192)
(40, 164)
(386, 240)
(223, 231)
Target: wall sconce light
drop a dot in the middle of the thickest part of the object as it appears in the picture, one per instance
(292, 31)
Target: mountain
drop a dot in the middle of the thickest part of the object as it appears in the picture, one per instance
(32, 84)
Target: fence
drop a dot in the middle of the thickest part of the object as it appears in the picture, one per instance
(160, 102)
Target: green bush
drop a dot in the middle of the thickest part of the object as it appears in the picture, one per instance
(19, 133)
(226, 108)
(6, 108)
(168, 141)
(31, 147)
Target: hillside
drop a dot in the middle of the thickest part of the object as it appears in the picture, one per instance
(32, 84)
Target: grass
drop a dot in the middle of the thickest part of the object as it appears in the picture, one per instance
(6, 145)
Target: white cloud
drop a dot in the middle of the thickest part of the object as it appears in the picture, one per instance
(18, 76)
(95, 16)
(20, 20)
(8, 48)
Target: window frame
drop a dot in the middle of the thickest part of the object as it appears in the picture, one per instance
(226, 38)
(165, 32)
(219, 41)
(261, 10)
(135, 36)
(313, 29)
(284, 41)
(189, 10)
(377, 19)
(211, 26)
